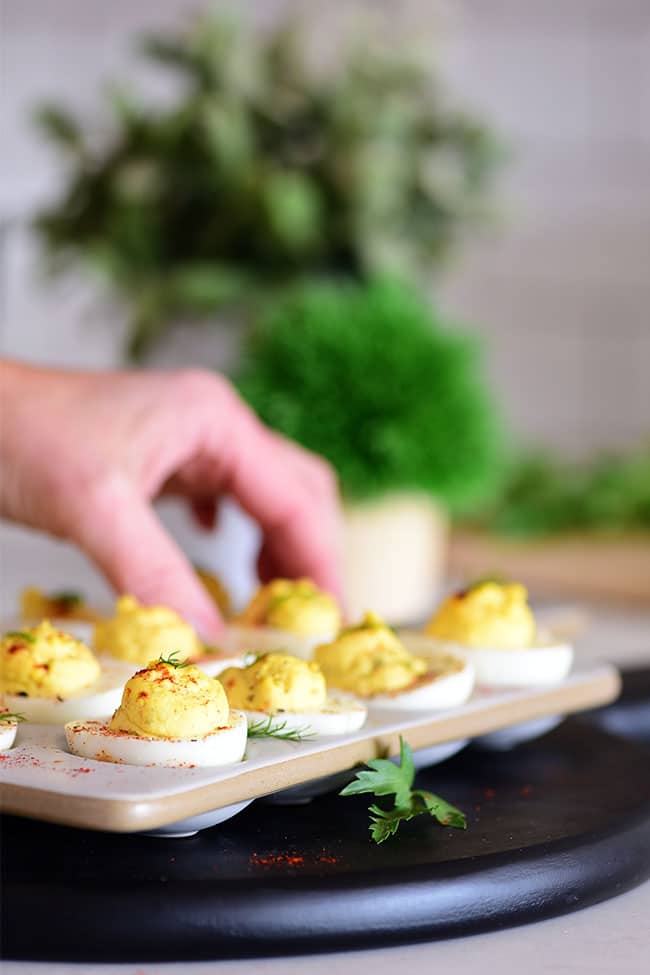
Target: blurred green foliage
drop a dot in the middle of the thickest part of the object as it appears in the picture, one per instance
(262, 171)
(543, 496)
(368, 376)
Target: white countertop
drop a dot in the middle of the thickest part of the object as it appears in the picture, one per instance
(608, 937)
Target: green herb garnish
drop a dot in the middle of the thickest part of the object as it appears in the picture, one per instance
(67, 598)
(495, 577)
(388, 779)
(173, 660)
(11, 717)
(21, 635)
(267, 729)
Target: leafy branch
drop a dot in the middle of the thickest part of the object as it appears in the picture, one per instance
(264, 169)
(385, 778)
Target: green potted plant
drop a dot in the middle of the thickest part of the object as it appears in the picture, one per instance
(368, 376)
(260, 171)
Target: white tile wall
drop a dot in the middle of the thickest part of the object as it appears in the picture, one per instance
(561, 290)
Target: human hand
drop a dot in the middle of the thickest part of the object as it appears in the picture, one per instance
(84, 454)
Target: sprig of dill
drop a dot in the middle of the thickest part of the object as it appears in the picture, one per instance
(21, 635)
(266, 729)
(11, 717)
(173, 660)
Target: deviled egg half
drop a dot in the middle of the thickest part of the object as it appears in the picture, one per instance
(65, 604)
(138, 634)
(492, 624)
(370, 661)
(216, 590)
(51, 677)
(292, 616)
(171, 714)
(284, 696)
(9, 721)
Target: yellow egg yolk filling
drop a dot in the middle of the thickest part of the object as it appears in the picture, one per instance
(297, 606)
(171, 701)
(139, 633)
(44, 662)
(490, 614)
(275, 682)
(216, 589)
(369, 659)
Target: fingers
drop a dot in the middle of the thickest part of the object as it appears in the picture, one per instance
(291, 494)
(122, 535)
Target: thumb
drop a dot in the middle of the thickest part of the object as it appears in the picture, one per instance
(122, 535)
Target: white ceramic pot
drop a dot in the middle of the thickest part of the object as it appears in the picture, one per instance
(394, 556)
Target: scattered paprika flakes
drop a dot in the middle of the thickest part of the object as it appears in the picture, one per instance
(276, 859)
(290, 859)
(489, 793)
(525, 791)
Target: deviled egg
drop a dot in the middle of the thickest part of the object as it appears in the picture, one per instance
(9, 721)
(51, 677)
(138, 633)
(492, 624)
(171, 714)
(62, 605)
(370, 661)
(284, 694)
(216, 590)
(293, 616)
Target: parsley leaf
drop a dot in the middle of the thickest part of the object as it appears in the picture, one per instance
(386, 779)
(440, 809)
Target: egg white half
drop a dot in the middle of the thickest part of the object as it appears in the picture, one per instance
(340, 715)
(213, 663)
(7, 735)
(238, 638)
(98, 700)
(93, 740)
(546, 662)
(431, 692)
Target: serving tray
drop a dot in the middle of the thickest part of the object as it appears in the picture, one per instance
(553, 826)
(40, 779)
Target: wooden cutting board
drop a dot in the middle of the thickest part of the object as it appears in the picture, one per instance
(616, 568)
